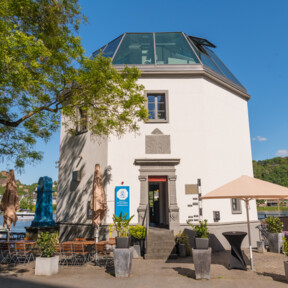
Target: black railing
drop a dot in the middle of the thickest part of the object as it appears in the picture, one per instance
(146, 226)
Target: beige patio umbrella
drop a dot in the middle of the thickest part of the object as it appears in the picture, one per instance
(98, 203)
(10, 202)
(247, 188)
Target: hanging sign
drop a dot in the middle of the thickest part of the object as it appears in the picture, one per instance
(122, 199)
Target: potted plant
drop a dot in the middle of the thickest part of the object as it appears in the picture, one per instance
(121, 226)
(183, 244)
(285, 252)
(47, 263)
(275, 236)
(201, 239)
(138, 234)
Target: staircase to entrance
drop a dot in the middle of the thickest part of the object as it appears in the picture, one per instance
(160, 244)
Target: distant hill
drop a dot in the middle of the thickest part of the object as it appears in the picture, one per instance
(22, 189)
(273, 170)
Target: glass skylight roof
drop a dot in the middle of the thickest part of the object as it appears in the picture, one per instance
(164, 48)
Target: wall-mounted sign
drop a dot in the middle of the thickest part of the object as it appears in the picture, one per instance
(191, 189)
(122, 200)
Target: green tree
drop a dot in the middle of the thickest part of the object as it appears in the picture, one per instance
(273, 170)
(26, 203)
(44, 72)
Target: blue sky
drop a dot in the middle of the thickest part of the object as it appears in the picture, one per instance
(251, 39)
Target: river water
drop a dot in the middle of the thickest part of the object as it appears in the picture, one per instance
(20, 225)
(264, 214)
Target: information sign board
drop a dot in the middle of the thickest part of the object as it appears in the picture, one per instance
(122, 200)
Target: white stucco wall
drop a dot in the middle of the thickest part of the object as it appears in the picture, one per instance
(79, 153)
(209, 131)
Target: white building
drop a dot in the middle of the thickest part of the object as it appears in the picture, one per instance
(198, 129)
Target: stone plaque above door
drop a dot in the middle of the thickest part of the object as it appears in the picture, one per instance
(157, 143)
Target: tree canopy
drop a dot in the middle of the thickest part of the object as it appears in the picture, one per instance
(44, 72)
(273, 170)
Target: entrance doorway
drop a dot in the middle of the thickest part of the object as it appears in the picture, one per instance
(158, 201)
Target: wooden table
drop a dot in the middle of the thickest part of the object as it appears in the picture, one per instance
(90, 242)
(29, 242)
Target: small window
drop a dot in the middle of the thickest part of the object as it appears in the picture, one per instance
(89, 211)
(236, 206)
(82, 121)
(157, 106)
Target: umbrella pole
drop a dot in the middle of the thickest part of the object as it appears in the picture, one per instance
(249, 233)
(96, 241)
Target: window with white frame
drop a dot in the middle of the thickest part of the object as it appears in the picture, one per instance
(157, 104)
(236, 206)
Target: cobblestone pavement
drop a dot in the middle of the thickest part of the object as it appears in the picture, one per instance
(269, 272)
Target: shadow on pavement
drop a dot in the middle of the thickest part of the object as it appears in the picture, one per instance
(11, 282)
(275, 277)
(186, 272)
(12, 270)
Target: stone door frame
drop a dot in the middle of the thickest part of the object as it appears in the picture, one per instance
(158, 167)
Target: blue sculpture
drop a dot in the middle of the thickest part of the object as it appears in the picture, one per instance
(44, 210)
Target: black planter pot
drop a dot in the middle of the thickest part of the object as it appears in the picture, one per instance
(140, 242)
(181, 250)
(123, 242)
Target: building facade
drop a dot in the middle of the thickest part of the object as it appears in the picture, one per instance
(197, 139)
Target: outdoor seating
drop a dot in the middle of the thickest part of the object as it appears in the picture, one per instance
(102, 254)
(70, 253)
(23, 253)
(4, 253)
(264, 234)
(80, 239)
(80, 254)
(58, 250)
(66, 254)
(236, 257)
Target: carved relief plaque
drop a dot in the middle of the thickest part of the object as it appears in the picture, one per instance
(157, 144)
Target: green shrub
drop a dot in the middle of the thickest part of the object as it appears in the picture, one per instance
(47, 243)
(138, 232)
(285, 246)
(182, 238)
(274, 224)
(121, 224)
(201, 229)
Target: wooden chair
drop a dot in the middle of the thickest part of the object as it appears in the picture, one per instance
(80, 239)
(66, 254)
(4, 253)
(101, 254)
(23, 253)
(80, 254)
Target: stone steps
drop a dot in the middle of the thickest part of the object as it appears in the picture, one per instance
(160, 244)
(160, 256)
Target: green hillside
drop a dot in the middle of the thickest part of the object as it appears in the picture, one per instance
(273, 170)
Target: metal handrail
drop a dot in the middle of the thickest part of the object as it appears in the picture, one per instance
(146, 226)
